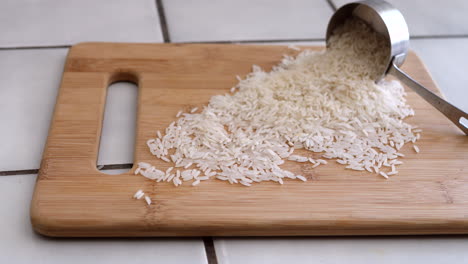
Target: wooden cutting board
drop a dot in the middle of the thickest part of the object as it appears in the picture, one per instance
(72, 198)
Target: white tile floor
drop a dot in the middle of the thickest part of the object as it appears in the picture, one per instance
(440, 17)
(246, 19)
(343, 250)
(56, 22)
(19, 244)
(29, 79)
(447, 61)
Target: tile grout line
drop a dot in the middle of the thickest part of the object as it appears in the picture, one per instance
(19, 172)
(37, 47)
(35, 171)
(210, 250)
(330, 3)
(247, 41)
(162, 21)
(439, 36)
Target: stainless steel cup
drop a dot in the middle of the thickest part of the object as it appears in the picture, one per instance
(389, 22)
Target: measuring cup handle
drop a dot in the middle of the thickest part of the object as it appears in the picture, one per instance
(451, 112)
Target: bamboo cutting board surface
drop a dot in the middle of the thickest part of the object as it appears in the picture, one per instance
(72, 198)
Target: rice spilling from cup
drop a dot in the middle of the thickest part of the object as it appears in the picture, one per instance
(323, 102)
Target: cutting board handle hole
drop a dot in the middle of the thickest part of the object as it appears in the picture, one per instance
(117, 141)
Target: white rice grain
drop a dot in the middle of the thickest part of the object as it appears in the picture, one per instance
(137, 194)
(140, 195)
(302, 178)
(148, 200)
(144, 165)
(196, 182)
(293, 47)
(384, 174)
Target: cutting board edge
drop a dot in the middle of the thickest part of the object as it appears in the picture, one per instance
(49, 227)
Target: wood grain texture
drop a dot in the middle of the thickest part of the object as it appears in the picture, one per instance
(72, 198)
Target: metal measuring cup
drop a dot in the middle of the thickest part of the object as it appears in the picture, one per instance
(389, 22)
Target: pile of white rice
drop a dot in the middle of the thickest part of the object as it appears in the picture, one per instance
(323, 102)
